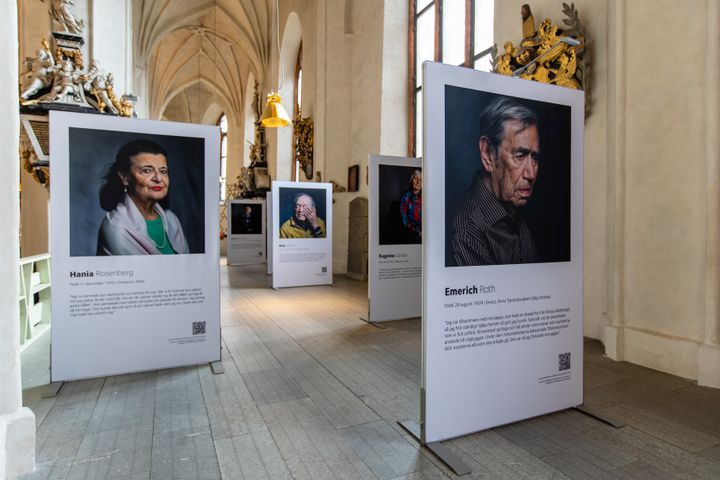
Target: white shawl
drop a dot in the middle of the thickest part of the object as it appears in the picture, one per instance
(124, 231)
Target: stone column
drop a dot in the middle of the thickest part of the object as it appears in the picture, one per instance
(17, 424)
(709, 353)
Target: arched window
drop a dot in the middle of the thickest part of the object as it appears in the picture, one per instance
(222, 123)
(457, 32)
(297, 102)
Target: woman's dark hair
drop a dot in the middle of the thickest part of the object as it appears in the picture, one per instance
(112, 191)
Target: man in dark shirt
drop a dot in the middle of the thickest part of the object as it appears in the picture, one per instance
(488, 228)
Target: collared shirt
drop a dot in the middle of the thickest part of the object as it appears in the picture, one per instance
(290, 229)
(484, 232)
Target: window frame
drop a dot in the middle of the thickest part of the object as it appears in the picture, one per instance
(223, 158)
(470, 57)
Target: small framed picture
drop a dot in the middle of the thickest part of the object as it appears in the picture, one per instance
(353, 176)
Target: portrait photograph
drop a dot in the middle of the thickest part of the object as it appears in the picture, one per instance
(507, 179)
(246, 218)
(135, 193)
(399, 205)
(302, 212)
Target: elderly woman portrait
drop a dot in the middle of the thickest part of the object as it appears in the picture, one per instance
(135, 197)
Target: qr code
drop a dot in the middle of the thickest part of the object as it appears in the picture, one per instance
(324, 269)
(198, 328)
(564, 361)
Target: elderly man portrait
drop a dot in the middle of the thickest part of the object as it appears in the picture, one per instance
(304, 222)
(488, 228)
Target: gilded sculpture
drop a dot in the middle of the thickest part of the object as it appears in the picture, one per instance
(548, 53)
(303, 131)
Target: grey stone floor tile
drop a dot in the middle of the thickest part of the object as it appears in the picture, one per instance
(57, 469)
(336, 401)
(272, 386)
(253, 456)
(712, 454)
(230, 407)
(492, 455)
(577, 468)
(179, 401)
(249, 353)
(125, 401)
(185, 455)
(80, 391)
(386, 453)
(62, 431)
(662, 428)
(310, 445)
(643, 471)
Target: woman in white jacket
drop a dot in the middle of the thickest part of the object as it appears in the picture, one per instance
(135, 196)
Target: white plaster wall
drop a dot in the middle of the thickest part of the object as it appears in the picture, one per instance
(665, 170)
(394, 115)
(110, 40)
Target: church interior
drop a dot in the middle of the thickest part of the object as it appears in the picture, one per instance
(310, 389)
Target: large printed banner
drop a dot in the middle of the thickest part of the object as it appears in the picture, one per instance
(395, 238)
(134, 243)
(246, 232)
(503, 250)
(302, 234)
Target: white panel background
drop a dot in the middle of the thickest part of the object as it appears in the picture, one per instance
(391, 298)
(241, 247)
(477, 388)
(289, 273)
(269, 232)
(138, 339)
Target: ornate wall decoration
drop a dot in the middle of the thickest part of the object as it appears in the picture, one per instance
(303, 134)
(549, 53)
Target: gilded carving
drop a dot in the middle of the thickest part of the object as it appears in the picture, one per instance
(548, 53)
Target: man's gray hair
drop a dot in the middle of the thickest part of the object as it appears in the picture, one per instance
(500, 111)
(302, 194)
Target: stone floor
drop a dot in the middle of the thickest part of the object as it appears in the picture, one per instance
(310, 391)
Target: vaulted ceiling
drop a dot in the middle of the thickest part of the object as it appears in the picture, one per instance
(180, 43)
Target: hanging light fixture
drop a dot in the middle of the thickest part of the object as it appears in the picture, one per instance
(274, 114)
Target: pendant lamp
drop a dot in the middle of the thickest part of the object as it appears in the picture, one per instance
(274, 114)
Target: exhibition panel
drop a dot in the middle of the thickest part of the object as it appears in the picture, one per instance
(395, 238)
(302, 234)
(246, 232)
(502, 271)
(134, 241)
(269, 229)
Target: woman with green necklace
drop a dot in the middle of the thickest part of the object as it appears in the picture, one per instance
(135, 196)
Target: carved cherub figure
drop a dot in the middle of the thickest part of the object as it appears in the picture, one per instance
(66, 84)
(61, 12)
(96, 83)
(39, 72)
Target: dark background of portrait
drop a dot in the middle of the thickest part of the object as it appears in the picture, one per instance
(287, 207)
(91, 154)
(393, 181)
(547, 213)
(238, 226)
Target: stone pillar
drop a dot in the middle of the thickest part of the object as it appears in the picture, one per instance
(709, 353)
(17, 424)
(357, 260)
